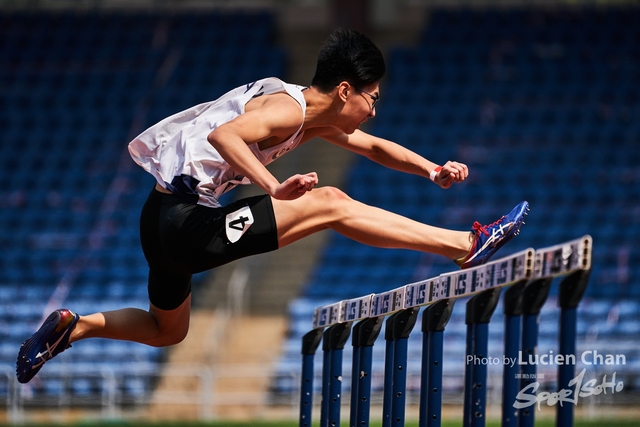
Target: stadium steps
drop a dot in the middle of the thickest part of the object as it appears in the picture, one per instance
(197, 349)
(240, 352)
(252, 346)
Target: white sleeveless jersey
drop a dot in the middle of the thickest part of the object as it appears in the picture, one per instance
(176, 151)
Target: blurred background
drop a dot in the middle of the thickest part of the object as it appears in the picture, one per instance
(540, 98)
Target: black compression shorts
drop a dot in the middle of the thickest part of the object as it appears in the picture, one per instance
(180, 238)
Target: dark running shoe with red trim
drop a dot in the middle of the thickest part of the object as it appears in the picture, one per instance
(50, 340)
(490, 238)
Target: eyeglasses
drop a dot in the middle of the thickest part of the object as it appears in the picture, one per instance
(374, 98)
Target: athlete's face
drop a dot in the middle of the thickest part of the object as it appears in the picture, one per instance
(375, 97)
(361, 104)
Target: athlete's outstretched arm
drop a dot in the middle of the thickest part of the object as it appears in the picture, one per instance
(395, 156)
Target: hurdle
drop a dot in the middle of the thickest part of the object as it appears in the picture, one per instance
(526, 278)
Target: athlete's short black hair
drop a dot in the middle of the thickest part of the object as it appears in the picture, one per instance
(350, 56)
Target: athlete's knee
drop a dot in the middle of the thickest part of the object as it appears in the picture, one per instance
(172, 326)
(167, 337)
(331, 195)
(332, 204)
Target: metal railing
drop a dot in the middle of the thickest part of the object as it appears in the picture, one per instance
(112, 392)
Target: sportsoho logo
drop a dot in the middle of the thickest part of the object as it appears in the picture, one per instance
(578, 386)
(577, 389)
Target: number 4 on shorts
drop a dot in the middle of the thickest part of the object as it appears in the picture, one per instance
(237, 223)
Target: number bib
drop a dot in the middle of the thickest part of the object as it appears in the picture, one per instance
(237, 223)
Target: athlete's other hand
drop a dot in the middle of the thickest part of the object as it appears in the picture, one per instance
(295, 186)
(451, 172)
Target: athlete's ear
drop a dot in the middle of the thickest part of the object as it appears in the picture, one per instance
(343, 91)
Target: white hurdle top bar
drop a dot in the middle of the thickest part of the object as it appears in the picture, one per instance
(529, 264)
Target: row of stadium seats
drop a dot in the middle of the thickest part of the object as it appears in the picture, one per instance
(553, 24)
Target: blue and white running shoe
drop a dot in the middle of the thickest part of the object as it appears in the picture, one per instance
(490, 238)
(50, 340)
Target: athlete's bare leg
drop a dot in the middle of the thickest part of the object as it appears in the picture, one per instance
(155, 327)
(328, 207)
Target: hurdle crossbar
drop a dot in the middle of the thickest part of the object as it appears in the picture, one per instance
(553, 261)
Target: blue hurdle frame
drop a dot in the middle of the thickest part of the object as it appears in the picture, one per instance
(364, 336)
(522, 304)
(535, 294)
(393, 412)
(512, 309)
(434, 320)
(333, 341)
(479, 310)
(355, 372)
(310, 342)
(388, 371)
(572, 289)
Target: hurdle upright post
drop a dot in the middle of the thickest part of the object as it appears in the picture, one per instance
(434, 319)
(355, 373)
(335, 337)
(402, 327)
(512, 309)
(310, 342)
(534, 297)
(479, 310)
(398, 329)
(388, 371)
(572, 289)
(367, 333)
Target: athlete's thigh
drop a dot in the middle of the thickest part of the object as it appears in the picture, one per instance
(168, 285)
(312, 212)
